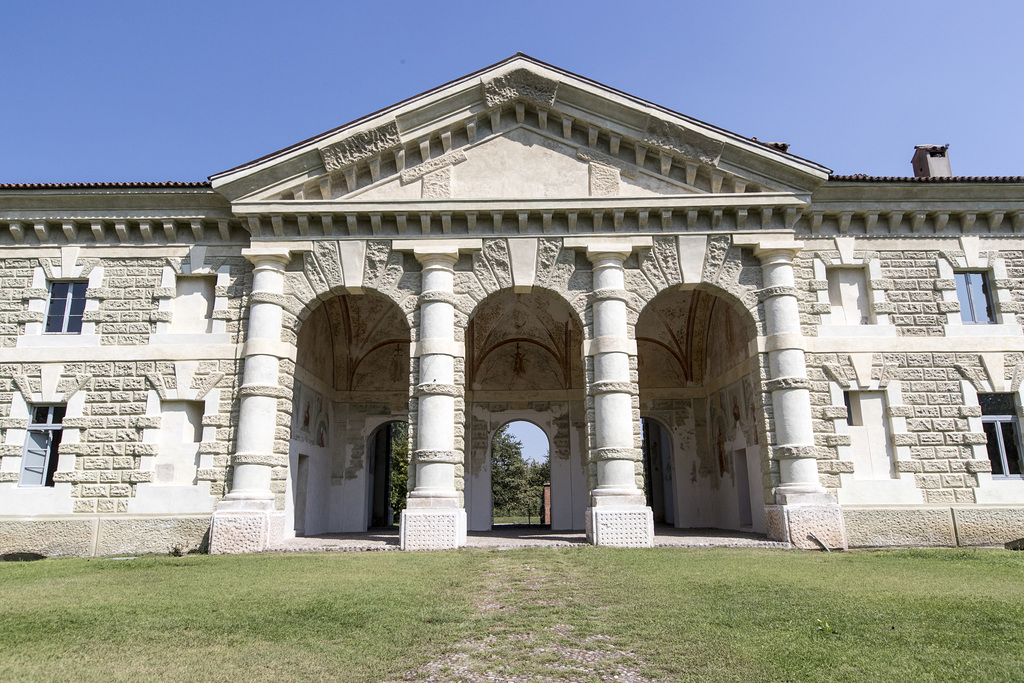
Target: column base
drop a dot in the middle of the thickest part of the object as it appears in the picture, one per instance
(621, 526)
(807, 521)
(429, 528)
(245, 526)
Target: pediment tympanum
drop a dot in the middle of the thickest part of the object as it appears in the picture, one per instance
(515, 130)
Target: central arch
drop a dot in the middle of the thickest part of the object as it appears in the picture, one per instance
(350, 387)
(524, 362)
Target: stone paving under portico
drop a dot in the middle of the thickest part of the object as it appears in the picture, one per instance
(511, 536)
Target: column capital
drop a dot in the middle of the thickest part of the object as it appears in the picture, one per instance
(772, 247)
(436, 256)
(604, 249)
(268, 256)
(433, 251)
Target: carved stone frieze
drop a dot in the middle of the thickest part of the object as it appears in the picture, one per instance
(326, 254)
(431, 165)
(520, 84)
(974, 375)
(157, 383)
(781, 290)
(437, 297)
(269, 390)
(437, 185)
(837, 374)
(268, 298)
(24, 386)
(437, 389)
(80, 381)
(684, 141)
(604, 180)
(259, 459)
(787, 383)
(611, 294)
(715, 257)
(360, 146)
(203, 386)
(609, 387)
(627, 169)
(794, 452)
(425, 455)
(613, 453)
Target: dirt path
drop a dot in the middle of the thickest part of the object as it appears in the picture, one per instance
(518, 606)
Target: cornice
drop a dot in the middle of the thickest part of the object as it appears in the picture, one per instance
(585, 215)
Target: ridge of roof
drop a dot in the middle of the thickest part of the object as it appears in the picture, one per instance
(864, 178)
(106, 185)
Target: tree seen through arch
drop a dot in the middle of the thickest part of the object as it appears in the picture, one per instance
(518, 478)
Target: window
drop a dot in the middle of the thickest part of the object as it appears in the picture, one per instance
(999, 420)
(67, 303)
(39, 461)
(848, 296)
(972, 291)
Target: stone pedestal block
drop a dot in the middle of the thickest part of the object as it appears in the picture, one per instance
(433, 529)
(623, 527)
(244, 530)
(805, 524)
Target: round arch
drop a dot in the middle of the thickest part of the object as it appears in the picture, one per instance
(524, 362)
(351, 379)
(700, 386)
(515, 475)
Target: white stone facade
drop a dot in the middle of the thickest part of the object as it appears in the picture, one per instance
(711, 332)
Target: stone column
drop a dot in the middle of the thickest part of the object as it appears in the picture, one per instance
(618, 514)
(246, 519)
(434, 518)
(804, 509)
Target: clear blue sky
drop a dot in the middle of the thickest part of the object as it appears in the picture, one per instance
(536, 446)
(116, 91)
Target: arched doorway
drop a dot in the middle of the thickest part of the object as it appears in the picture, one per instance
(524, 362)
(520, 475)
(699, 395)
(349, 392)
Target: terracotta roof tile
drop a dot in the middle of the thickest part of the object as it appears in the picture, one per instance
(102, 186)
(863, 178)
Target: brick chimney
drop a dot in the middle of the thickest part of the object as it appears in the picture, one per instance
(931, 161)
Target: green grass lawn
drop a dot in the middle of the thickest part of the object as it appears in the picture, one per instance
(567, 613)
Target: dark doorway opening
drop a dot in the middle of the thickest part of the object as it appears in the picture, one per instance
(387, 457)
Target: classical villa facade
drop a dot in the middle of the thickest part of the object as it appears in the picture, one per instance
(711, 331)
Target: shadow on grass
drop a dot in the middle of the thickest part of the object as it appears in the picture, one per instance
(21, 557)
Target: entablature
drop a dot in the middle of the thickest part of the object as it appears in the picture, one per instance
(912, 208)
(588, 215)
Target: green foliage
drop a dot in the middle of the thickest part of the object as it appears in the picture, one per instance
(399, 465)
(517, 484)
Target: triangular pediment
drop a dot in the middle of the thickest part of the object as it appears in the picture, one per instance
(519, 129)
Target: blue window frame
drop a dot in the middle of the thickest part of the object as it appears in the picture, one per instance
(975, 298)
(67, 304)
